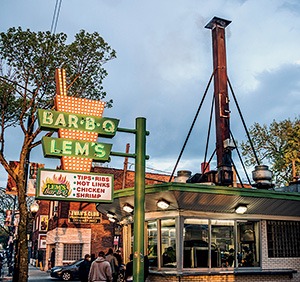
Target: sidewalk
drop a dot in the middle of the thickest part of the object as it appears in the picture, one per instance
(34, 273)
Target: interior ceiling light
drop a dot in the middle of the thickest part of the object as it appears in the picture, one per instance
(240, 209)
(163, 204)
(128, 208)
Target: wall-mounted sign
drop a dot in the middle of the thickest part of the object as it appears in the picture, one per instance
(43, 223)
(76, 216)
(58, 147)
(77, 187)
(54, 120)
(42, 241)
(31, 181)
(11, 186)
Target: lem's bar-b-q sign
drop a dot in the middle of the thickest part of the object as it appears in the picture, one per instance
(58, 147)
(54, 120)
(72, 186)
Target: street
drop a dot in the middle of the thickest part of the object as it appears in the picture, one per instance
(35, 274)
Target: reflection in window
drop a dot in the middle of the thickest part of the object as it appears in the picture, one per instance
(195, 234)
(248, 244)
(152, 243)
(168, 242)
(222, 243)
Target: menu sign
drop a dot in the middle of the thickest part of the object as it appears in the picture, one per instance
(72, 186)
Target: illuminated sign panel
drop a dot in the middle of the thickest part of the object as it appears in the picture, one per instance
(54, 120)
(67, 186)
(79, 123)
(58, 147)
(79, 216)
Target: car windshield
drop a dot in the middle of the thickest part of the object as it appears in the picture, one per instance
(76, 262)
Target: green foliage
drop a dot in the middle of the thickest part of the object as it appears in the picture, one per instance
(27, 83)
(33, 57)
(276, 145)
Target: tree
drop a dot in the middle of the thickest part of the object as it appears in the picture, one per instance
(28, 63)
(277, 146)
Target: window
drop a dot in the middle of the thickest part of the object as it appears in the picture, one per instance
(72, 251)
(248, 243)
(195, 244)
(207, 243)
(168, 242)
(283, 238)
(152, 243)
(222, 243)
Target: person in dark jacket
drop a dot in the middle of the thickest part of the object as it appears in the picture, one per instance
(146, 267)
(113, 263)
(129, 269)
(52, 258)
(84, 268)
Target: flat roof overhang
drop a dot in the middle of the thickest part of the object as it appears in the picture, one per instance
(190, 197)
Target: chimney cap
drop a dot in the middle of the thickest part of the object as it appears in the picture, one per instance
(217, 21)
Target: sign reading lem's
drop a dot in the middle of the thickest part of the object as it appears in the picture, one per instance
(58, 147)
(65, 186)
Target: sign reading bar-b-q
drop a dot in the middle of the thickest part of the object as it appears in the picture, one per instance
(57, 147)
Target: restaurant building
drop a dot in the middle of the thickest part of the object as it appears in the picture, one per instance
(200, 234)
(200, 227)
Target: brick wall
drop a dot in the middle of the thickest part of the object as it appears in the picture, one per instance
(222, 278)
(281, 263)
(61, 236)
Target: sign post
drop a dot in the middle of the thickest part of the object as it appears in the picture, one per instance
(139, 200)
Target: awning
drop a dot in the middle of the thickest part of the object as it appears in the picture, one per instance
(209, 198)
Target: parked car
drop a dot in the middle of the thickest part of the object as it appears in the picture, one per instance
(66, 272)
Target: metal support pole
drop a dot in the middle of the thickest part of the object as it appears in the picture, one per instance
(139, 201)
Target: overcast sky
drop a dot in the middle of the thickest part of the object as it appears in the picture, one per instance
(164, 61)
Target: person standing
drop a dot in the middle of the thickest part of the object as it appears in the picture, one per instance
(117, 254)
(100, 269)
(129, 270)
(146, 267)
(84, 268)
(52, 258)
(113, 263)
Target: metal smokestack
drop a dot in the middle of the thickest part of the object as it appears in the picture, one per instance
(222, 112)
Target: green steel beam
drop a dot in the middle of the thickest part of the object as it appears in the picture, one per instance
(139, 200)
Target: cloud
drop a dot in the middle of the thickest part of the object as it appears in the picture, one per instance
(164, 61)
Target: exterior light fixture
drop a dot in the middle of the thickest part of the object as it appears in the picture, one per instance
(110, 214)
(112, 219)
(163, 204)
(34, 207)
(240, 209)
(128, 208)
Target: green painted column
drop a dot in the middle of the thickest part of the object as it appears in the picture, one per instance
(139, 200)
